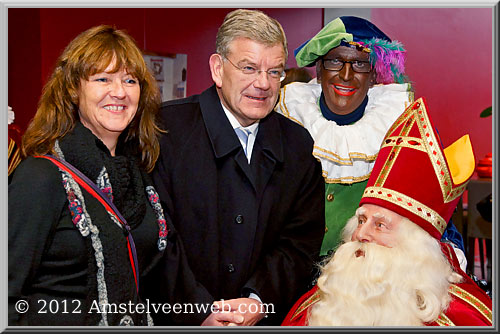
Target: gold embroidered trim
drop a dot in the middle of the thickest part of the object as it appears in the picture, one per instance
(449, 250)
(435, 154)
(305, 304)
(365, 49)
(408, 203)
(402, 118)
(393, 155)
(443, 320)
(284, 109)
(411, 94)
(415, 114)
(344, 161)
(295, 120)
(471, 300)
(345, 179)
(408, 142)
(387, 168)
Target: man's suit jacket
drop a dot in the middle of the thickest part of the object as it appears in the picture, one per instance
(245, 227)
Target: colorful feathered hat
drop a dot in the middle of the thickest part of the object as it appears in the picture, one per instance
(414, 177)
(386, 56)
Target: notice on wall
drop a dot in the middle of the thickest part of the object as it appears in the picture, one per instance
(170, 74)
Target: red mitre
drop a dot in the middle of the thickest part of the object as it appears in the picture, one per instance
(414, 177)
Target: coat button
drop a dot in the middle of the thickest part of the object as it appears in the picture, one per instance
(230, 268)
(326, 229)
(239, 219)
(330, 197)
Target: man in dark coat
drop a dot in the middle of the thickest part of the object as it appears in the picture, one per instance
(240, 182)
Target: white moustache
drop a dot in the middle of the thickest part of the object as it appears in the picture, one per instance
(358, 249)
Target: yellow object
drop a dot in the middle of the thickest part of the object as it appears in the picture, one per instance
(460, 158)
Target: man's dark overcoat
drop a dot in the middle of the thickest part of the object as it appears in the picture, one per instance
(245, 227)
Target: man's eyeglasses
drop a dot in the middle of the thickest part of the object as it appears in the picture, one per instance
(252, 72)
(359, 66)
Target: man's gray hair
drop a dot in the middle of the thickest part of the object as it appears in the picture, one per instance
(251, 24)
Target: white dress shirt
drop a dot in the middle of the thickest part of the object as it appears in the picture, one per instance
(251, 130)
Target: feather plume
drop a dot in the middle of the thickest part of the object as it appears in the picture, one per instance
(388, 59)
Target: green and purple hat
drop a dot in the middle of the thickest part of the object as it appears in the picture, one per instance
(386, 56)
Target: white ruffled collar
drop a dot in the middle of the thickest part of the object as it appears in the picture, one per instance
(347, 153)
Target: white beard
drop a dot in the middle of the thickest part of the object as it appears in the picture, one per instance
(406, 285)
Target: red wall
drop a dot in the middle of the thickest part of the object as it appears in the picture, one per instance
(450, 64)
(24, 63)
(41, 35)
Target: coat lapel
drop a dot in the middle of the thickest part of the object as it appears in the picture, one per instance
(268, 151)
(220, 132)
(222, 137)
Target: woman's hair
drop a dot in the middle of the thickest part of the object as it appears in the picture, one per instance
(251, 24)
(89, 53)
